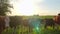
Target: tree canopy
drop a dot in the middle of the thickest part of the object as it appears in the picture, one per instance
(4, 7)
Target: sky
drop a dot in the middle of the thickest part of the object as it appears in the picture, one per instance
(31, 7)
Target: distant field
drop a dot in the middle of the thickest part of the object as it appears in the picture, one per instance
(42, 17)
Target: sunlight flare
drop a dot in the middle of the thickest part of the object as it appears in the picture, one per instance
(25, 7)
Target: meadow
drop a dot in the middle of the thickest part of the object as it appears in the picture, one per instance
(21, 29)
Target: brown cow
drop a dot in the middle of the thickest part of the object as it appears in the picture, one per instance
(57, 20)
(26, 24)
(3, 20)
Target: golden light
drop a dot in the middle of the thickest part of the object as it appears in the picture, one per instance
(25, 7)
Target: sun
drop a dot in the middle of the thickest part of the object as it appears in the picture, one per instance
(24, 7)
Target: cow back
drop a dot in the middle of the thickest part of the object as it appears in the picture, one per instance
(57, 19)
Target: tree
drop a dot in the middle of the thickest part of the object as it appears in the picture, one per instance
(4, 7)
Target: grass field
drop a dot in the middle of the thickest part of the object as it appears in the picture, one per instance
(25, 30)
(22, 30)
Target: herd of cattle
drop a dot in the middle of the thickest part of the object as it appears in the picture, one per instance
(4, 22)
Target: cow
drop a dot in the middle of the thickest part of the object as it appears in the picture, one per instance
(33, 22)
(15, 21)
(25, 23)
(3, 23)
(49, 22)
(57, 20)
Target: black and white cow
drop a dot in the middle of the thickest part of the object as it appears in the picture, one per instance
(49, 22)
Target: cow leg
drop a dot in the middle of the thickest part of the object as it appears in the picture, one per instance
(45, 26)
(53, 25)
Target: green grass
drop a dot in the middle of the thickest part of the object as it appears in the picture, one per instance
(41, 30)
